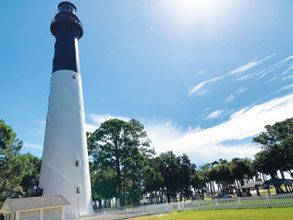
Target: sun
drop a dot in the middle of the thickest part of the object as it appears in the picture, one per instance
(190, 13)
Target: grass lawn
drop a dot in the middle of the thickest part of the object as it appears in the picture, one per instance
(236, 214)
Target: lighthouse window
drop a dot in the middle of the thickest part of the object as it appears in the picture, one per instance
(78, 189)
(74, 77)
(77, 162)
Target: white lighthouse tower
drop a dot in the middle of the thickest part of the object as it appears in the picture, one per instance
(65, 165)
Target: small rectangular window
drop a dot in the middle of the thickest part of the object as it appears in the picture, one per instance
(77, 162)
(78, 190)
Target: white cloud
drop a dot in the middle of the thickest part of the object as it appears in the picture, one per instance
(201, 72)
(161, 132)
(33, 146)
(272, 79)
(274, 67)
(199, 89)
(214, 115)
(250, 65)
(287, 77)
(209, 153)
(248, 76)
(245, 67)
(232, 96)
(207, 144)
(196, 88)
(263, 72)
(288, 70)
(287, 87)
(90, 127)
(97, 119)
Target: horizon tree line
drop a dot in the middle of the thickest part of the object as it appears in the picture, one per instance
(123, 165)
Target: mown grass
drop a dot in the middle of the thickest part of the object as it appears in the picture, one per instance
(250, 203)
(236, 214)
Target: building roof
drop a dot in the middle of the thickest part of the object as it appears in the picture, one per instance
(20, 204)
(252, 184)
(275, 181)
(278, 182)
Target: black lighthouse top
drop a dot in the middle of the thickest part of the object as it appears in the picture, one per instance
(67, 29)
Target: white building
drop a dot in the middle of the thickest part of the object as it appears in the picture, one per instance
(65, 165)
(35, 208)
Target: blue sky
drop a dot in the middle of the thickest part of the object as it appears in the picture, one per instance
(203, 76)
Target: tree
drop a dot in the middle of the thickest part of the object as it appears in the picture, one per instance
(152, 179)
(267, 162)
(277, 150)
(209, 176)
(186, 169)
(176, 173)
(9, 165)
(169, 169)
(19, 173)
(9, 144)
(103, 183)
(120, 148)
(31, 167)
(198, 183)
(287, 149)
(242, 169)
(277, 140)
(225, 176)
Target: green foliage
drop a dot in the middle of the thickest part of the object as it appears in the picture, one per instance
(275, 134)
(176, 172)
(119, 151)
(242, 168)
(267, 162)
(104, 183)
(123, 165)
(153, 180)
(277, 152)
(9, 144)
(198, 182)
(19, 173)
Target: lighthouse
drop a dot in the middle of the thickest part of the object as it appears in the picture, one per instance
(65, 164)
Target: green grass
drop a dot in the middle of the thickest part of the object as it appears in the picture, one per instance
(260, 201)
(236, 214)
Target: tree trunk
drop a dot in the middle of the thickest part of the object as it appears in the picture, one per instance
(282, 174)
(211, 189)
(168, 196)
(257, 190)
(269, 192)
(161, 196)
(290, 172)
